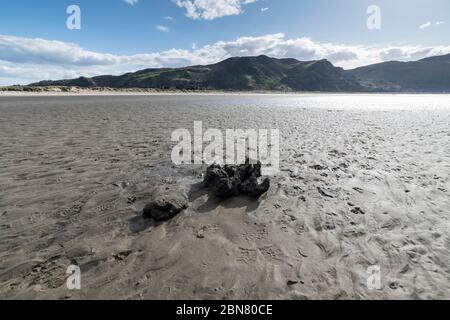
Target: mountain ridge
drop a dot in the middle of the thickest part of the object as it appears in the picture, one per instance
(288, 74)
(430, 74)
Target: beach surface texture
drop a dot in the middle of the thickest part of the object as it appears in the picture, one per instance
(364, 181)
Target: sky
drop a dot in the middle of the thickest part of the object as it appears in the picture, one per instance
(40, 40)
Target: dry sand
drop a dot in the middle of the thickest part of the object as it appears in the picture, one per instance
(356, 188)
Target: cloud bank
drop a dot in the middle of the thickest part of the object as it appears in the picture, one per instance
(25, 60)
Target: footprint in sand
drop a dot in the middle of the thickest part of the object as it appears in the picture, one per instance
(247, 256)
(272, 253)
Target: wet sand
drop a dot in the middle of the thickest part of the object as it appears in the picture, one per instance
(356, 188)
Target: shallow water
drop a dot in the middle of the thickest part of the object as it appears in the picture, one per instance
(338, 101)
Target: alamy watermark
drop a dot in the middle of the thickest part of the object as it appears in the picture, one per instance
(212, 146)
(73, 282)
(374, 20)
(374, 278)
(74, 20)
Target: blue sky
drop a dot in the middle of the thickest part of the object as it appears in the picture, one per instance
(119, 36)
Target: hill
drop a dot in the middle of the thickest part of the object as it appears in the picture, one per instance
(265, 73)
(426, 75)
(241, 73)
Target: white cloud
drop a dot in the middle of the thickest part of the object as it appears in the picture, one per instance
(131, 2)
(212, 9)
(168, 18)
(163, 28)
(25, 60)
(431, 24)
(264, 9)
(425, 25)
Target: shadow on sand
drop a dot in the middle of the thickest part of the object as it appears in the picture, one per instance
(196, 191)
(199, 190)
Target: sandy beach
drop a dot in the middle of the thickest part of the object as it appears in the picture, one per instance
(359, 185)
